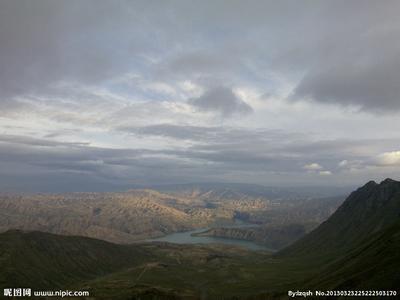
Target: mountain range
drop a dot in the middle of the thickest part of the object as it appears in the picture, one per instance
(357, 248)
(141, 214)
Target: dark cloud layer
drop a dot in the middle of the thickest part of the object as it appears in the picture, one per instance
(363, 73)
(347, 51)
(215, 158)
(221, 100)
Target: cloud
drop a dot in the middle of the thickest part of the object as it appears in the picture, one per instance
(325, 173)
(389, 158)
(12, 108)
(356, 61)
(313, 167)
(141, 91)
(209, 134)
(352, 165)
(36, 164)
(187, 132)
(36, 142)
(218, 154)
(353, 62)
(371, 87)
(46, 42)
(221, 100)
(317, 169)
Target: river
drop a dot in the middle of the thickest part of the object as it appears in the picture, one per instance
(187, 238)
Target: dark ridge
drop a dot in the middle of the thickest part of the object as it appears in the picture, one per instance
(366, 211)
(388, 181)
(371, 183)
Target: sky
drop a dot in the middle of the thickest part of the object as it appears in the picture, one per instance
(101, 95)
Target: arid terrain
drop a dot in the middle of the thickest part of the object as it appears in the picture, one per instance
(135, 215)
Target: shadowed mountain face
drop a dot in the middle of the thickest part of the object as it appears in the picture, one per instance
(372, 264)
(366, 211)
(357, 248)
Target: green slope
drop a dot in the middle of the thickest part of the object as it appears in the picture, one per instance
(366, 211)
(44, 260)
(374, 264)
(167, 271)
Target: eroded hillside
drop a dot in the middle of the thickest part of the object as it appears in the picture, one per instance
(134, 215)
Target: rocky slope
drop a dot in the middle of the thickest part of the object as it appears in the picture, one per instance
(116, 217)
(141, 214)
(283, 223)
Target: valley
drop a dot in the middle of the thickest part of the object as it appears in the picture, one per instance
(274, 218)
(357, 248)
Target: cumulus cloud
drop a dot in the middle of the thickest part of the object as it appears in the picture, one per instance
(312, 167)
(353, 165)
(389, 158)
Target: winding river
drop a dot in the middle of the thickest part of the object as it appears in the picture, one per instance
(187, 238)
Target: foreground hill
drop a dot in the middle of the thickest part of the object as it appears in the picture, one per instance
(188, 271)
(45, 260)
(366, 256)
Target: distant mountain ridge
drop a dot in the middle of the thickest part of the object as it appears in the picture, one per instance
(253, 190)
(126, 217)
(116, 217)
